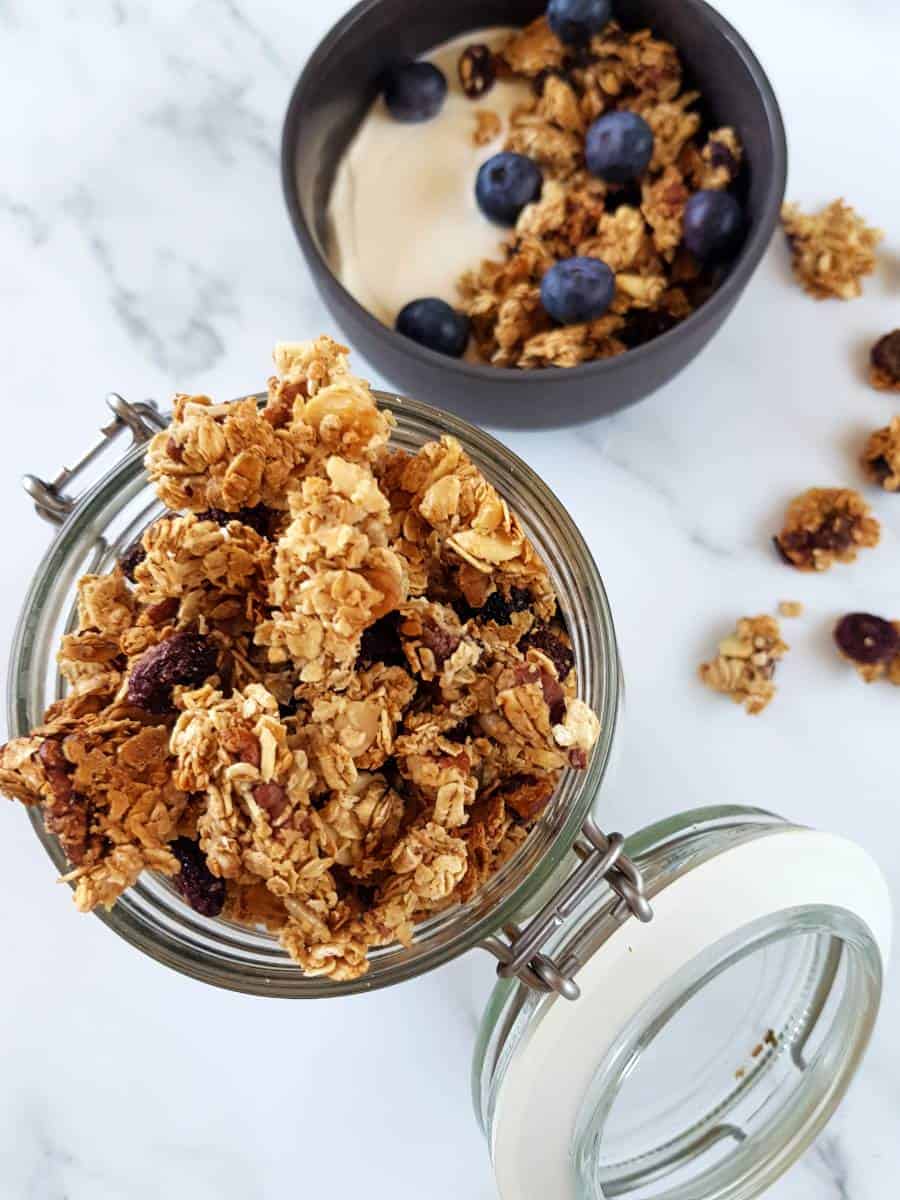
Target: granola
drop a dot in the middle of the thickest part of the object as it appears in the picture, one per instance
(884, 370)
(824, 526)
(745, 663)
(327, 694)
(872, 644)
(881, 456)
(637, 231)
(832, 250)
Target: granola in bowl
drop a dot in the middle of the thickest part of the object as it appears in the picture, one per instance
(520, 141)
(328, 695)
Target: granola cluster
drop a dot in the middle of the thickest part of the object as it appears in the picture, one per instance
(745, 663)
(884, 366)
(329, 692)
(832, 250)
(872, 644)
(635, 228)
(824, 526)
(881, 456)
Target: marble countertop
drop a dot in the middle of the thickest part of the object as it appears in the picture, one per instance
(145, 248)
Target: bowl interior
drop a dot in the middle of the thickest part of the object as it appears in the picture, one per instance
(341, 80)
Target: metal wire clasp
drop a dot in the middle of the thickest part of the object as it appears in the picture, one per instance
(601, 857)
(143, 419)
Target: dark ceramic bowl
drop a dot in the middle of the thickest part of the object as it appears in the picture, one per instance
(334, 93)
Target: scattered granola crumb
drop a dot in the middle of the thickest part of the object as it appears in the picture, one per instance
(790, 608)
(771, 1038)
(824, 526)
(757, 1050)
(872, 644)
(745, 664)
(832, 250)
(885, 363)
(740, 1073)
(488, 127)
(881, 457)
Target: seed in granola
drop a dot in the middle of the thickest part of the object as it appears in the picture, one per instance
(477, 70)
(204, 892)
(414, 92)
(544, 639)
(713, 225)
(826, 525)
(885, 362)
(381, 643)
(258, 517)
(271, 798)
(184, 658)
(575, 22)
(578, 290)
(434, 324)
(131, 559)
(866, 639)
(507, 183)
(619, 146)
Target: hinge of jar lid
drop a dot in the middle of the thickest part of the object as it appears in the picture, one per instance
(142, 420)
(601, 857)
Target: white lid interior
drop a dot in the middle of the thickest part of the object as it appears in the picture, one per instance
(555, 1061)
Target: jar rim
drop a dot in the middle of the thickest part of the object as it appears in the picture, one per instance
(150, 916)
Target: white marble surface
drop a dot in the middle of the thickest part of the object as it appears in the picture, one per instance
(144, 248)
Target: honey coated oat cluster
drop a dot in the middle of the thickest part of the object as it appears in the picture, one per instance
(832, 250)
(744, 666)
(636, 229)
(328, 692)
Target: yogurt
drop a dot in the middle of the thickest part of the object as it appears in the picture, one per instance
(403, 220)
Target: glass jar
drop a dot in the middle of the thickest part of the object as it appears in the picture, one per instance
(704, 1048)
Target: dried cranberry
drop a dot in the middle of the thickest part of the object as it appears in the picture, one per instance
(258, 517)
(477, 70)
(886, 355)
(381, 643)
(184, 658)
(271, 798)
(204, 892)
(174, 451)
(867, 639)
(562, 656)
(499, 608)
(879, 468)
(440, 641)
(554, 698)
(132, 559)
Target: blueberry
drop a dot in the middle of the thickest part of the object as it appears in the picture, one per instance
(433, 323)
(619, 147)
(415, 92)
(576, 21)
(505, 184)
(578, 289)
(713, 224)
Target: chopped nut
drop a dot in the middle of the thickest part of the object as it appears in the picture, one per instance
(477, 70)
(832, 250)
(824, 526)
(745, 664)
(488, 127)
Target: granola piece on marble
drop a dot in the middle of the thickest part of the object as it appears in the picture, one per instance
(881, 456)
(884, 363)
(745, 663)
(832, 250)
(824, 526)
(872, 644)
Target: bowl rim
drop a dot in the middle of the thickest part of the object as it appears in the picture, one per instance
(724, 296)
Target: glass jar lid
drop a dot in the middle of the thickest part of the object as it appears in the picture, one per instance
(709, 1046)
